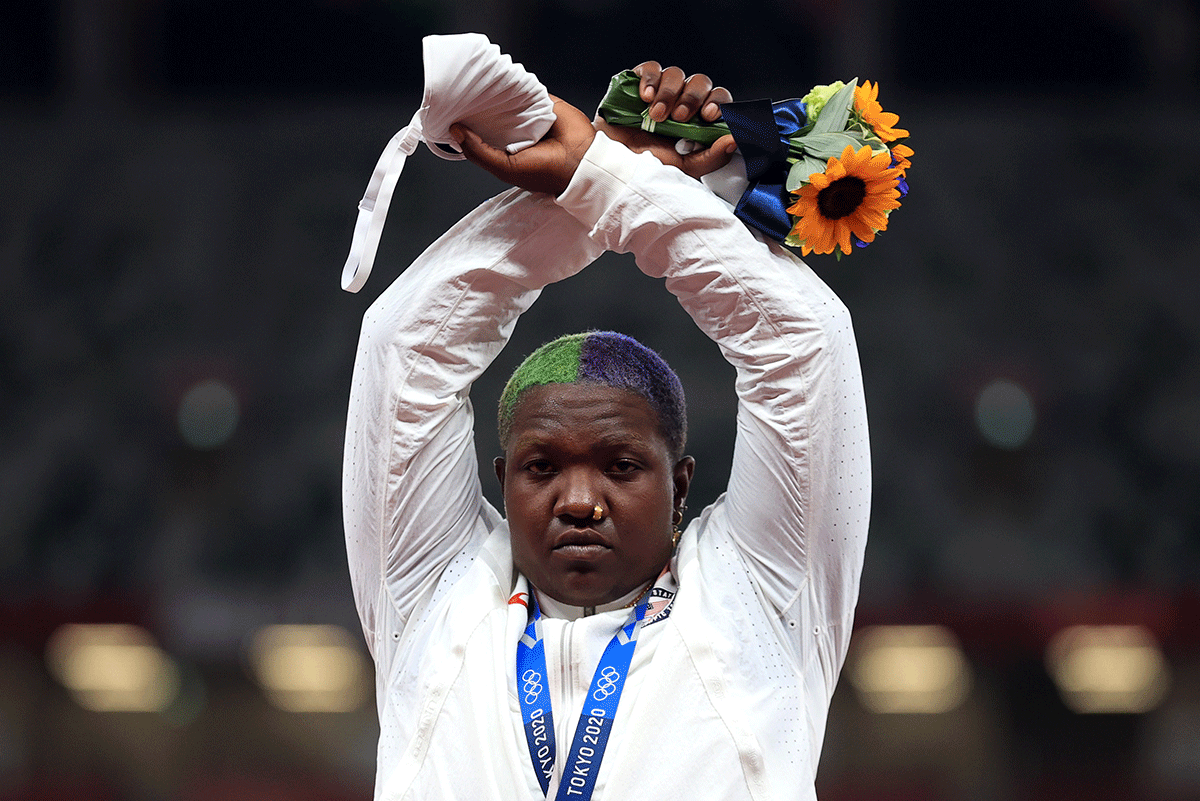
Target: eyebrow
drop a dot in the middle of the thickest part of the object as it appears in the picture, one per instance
(532, 437)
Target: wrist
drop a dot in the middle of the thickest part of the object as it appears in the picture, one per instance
(603, 170)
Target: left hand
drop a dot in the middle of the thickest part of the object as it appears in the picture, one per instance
(547, 166)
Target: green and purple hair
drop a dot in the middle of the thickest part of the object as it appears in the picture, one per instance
(601, 357)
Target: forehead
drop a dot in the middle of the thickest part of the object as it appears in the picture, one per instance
(587, 413)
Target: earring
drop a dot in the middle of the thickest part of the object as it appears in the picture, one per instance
(597, 512)
(676, 519)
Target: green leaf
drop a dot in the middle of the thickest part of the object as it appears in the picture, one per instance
(837, 111)
(802, 170)
(827, 145)
(623, 106)
(698, 131)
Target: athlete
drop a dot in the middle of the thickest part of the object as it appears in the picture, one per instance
(581, 645)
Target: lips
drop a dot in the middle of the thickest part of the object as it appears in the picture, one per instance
(581, 543)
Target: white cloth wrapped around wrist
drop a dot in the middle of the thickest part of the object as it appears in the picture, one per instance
(467, 80)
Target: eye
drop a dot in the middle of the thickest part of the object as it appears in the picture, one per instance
(539, 467)
(624, 467)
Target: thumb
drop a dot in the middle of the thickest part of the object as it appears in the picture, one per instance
(701, 162)
(478, 151)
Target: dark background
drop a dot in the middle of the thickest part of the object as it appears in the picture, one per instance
(180, 180)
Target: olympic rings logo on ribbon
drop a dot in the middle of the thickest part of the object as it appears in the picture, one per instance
(532, 686)
(606, 683)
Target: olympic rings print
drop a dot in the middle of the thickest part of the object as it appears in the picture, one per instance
(533, 685)
(606, 683)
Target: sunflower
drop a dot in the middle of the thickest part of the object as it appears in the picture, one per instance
(867, 105)
(852, 196)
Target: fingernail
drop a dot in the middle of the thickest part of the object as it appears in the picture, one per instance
(712, 111)
(658, 112)
(681, 113)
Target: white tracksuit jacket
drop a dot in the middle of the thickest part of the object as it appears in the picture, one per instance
(727, 697)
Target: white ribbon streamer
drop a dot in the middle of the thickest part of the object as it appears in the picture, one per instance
(467, 80)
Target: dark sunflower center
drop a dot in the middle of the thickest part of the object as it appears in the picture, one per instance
(841, 197)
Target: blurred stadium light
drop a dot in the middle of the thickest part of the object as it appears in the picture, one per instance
(309, 668)
(208, 415)
(1005, 414)
(112, 667)
(909, 669)
(1108, 669)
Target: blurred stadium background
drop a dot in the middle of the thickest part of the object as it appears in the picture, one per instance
(180, 180)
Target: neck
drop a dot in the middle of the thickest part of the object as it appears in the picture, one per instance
(556, 609)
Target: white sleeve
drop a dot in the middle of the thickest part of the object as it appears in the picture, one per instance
(799, 490)
(410, 486)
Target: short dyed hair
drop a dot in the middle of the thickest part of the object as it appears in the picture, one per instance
(609, 359)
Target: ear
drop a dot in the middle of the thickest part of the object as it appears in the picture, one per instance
(684, 469)
(498, 463)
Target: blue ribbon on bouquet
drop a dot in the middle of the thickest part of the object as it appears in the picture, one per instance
(762, 130)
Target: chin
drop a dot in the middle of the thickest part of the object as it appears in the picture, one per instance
(577, 590)
(585, 593)
(577, 598)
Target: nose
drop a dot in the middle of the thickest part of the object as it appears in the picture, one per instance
(577, 496)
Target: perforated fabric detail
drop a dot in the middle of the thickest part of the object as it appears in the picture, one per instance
(454, 571)
(774, 665)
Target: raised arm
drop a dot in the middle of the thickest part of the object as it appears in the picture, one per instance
(799, 490)
(411, 493)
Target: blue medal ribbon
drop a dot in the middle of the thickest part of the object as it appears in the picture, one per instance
(599, 708)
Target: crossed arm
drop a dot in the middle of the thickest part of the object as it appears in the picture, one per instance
(549, 165)
(799, 491)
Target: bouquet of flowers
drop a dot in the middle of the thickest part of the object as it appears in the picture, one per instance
(824, 172)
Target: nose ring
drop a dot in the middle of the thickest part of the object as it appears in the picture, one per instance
(597, 512)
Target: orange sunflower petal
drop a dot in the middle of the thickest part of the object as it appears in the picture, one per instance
(882, 122)
(842, 234)
(868, 235)
(819, 180)
(868, 220)
(817, 238)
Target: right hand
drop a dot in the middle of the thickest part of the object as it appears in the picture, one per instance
(668, 93)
